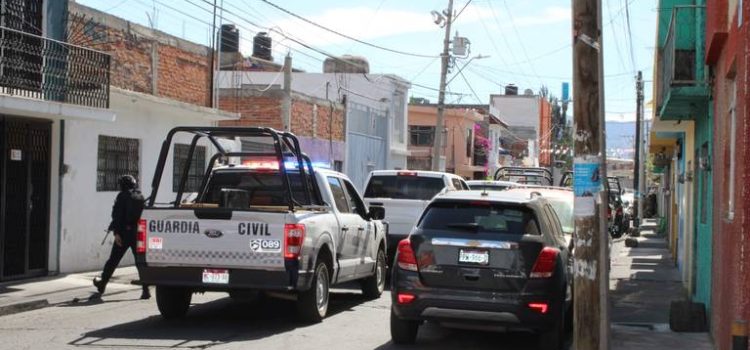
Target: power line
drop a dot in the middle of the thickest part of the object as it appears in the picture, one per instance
(520, 41)
(630, 36)
(345, 35)
(492, 41)
(461, 72)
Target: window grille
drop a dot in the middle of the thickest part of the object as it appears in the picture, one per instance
(117, 156)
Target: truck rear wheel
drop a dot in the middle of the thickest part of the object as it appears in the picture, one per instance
(312, 304)
(373, 286)
(173, 302)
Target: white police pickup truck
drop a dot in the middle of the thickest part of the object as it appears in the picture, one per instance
(405, 194)
(257, 221)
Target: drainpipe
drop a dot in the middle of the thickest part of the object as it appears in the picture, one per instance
(700, 40)
(60, 175)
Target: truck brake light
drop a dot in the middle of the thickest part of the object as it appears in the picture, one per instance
(140, 245)
(294, 237)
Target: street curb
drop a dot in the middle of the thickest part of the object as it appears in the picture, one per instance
(23, 307)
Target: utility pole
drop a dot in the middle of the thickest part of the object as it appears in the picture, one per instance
(286, 104)
(213, 57)
(638, 135)
(591, 275)
(437, 142)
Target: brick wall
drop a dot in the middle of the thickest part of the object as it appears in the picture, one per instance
(731, 246)
(311, 117)
(182, 68)
(258, 111)
(184, 75)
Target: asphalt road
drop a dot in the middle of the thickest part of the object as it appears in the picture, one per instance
(216, 322)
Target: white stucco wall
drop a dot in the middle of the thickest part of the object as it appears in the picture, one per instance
(516, 110)
(86, 212)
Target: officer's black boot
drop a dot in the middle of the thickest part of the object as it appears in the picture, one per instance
(100, 285)
(145, 295)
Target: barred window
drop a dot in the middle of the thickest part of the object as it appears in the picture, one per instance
(421, 135)
(197, 167)
(117, 156)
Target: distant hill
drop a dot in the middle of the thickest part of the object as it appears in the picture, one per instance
(620, 139)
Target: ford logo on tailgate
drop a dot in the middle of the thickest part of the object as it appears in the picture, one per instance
(211, 233)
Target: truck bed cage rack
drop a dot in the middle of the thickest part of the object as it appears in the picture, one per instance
(612, 181)
(540, 175)
(281, 140)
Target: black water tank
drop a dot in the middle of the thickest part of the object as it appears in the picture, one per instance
(262, 46)
(511, 89)
(230, 38)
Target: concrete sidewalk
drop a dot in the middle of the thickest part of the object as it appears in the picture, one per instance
(28, 295)
(643, 282)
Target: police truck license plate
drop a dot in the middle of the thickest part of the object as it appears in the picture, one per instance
(480, 257)
(215, 276)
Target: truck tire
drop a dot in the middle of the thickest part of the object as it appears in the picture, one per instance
(403, 331)
(173, 302)
(373, 286)
(312, 304)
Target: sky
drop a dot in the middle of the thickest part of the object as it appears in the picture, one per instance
(528, 42)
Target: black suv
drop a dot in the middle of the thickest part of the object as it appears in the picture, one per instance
(484, 260)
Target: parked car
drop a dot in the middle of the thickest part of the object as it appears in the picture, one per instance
(617, 222)
(484, 260)
(404, 194)
(489, 185)
(561, 199)
(271, 224)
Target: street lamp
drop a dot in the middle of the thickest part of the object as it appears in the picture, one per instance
(477, 57)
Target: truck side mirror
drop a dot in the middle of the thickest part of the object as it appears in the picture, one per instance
(376, 213)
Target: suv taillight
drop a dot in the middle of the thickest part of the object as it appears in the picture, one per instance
(294, 237)
(406, 258)
(545, 263)
(140, 239)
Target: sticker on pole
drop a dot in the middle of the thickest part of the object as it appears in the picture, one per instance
(586, 184)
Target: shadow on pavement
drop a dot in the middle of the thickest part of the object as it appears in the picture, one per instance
(433, 336)
(212, 323)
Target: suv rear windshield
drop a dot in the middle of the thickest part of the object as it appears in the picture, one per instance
(479, 216)
(241, 189)
(404, 187)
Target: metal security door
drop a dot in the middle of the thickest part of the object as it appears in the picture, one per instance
(24, 197)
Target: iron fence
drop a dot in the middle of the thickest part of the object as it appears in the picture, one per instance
(42, 68)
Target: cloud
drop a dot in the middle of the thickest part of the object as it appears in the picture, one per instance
(549, 15)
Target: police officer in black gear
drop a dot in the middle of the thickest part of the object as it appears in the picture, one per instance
(125, 215)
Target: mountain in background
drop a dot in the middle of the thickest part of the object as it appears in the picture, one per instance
(620, 139)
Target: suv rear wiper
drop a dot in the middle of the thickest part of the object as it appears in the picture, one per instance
(469, 226)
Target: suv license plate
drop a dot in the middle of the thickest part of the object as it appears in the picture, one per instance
(479, 257)
(216, 276)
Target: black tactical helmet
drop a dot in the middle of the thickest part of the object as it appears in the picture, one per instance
(127, 182)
